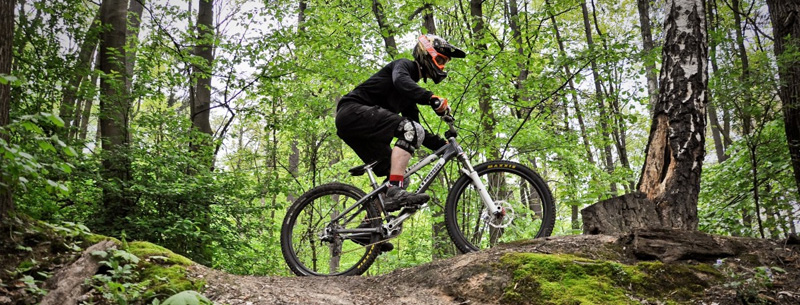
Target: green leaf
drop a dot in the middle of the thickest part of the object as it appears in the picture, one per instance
(30, 126)
(70, 151)
(101, 254)
(187, 297)
(65, 167)
(6, 79)
(63, 189)
(46, 146)
(53, 118)
(127, 256)
(778, 269)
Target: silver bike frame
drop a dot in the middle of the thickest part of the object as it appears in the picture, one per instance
(444, 154)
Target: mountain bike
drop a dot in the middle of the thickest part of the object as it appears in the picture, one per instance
(337, 229)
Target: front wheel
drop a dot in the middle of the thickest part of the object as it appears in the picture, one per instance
(523, 195)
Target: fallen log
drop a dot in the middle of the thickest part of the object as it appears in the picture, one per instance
(66, 286)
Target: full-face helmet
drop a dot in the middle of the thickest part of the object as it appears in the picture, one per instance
(432, 53)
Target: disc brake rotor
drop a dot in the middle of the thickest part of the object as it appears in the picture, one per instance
(501, 220)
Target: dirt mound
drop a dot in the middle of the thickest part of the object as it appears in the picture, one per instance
(644, 267)
(598, 269)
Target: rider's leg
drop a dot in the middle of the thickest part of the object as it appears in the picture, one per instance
(409, 137)
(400, 158)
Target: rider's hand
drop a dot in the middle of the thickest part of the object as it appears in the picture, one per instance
(439, 105)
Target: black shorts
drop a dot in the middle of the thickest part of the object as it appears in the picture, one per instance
(369, 131)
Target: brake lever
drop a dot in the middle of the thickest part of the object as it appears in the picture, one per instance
(451, 133)
(448, 118)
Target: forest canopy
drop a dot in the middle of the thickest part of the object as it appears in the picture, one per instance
(195, 124)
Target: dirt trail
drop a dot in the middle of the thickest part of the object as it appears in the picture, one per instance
(479, 278)
(224, 288)
(462, 279)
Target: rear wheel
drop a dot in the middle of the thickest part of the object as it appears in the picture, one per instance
(312, 244)
(525, 197)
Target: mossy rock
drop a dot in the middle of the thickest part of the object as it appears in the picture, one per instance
(168, 280)
(92, 239)
(164, 270)
(146, 250)
(568, 279)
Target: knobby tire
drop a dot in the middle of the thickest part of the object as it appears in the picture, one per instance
(303, 250)
(508, 183)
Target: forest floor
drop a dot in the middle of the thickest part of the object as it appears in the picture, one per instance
(760, 272)
(649, 267)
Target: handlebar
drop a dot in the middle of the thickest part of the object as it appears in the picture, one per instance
(451, 133)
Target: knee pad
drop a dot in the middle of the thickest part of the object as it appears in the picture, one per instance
(409, 135)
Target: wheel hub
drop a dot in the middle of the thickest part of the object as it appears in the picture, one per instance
(503, 218)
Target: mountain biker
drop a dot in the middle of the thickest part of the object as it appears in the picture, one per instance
(368, 118)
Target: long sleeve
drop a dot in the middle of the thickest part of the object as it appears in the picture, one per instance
(405, 84)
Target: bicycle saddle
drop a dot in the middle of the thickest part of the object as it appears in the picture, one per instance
(361, 169)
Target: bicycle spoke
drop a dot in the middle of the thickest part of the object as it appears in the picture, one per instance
(514, 191)
(314, 244)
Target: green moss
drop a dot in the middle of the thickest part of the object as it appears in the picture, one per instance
(92, 239)
(568, 279)
(168, 280)
(680, 281)
(146, 250)
(564, 279)
(164, 271)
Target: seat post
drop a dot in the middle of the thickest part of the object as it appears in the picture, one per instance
(372, 177)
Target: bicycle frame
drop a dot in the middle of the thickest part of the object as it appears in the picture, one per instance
(444, 154)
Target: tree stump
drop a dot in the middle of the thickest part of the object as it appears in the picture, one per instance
(67, 284)
(620, 215)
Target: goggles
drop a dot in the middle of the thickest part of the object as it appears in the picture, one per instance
(438, 59)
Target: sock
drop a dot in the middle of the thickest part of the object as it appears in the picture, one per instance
(396, 180)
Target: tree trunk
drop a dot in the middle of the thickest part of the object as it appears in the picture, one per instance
(87, 111)
(647, 49)
(6, 55)
(301, 15)
(785, 16)
(484, 103)
(620, 215)
(747, 124)
(674, 154)
(573, 95)
(135, 11)
(201, 73)
(386, 30)
(578, 114)
(516, 33)
(716, 129)
(607, 155)
(427, 18)
(114, 108)
(70, 105)
(68, 284)
(294, 156)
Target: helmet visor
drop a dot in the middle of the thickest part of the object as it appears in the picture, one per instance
(438, 59)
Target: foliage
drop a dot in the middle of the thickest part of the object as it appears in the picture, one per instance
(275, 84)
(142, 273)
(186, 298)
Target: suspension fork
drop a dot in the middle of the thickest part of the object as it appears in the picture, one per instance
(467, 169)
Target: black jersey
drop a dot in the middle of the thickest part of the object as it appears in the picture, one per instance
(368, 117)
(393, 88)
